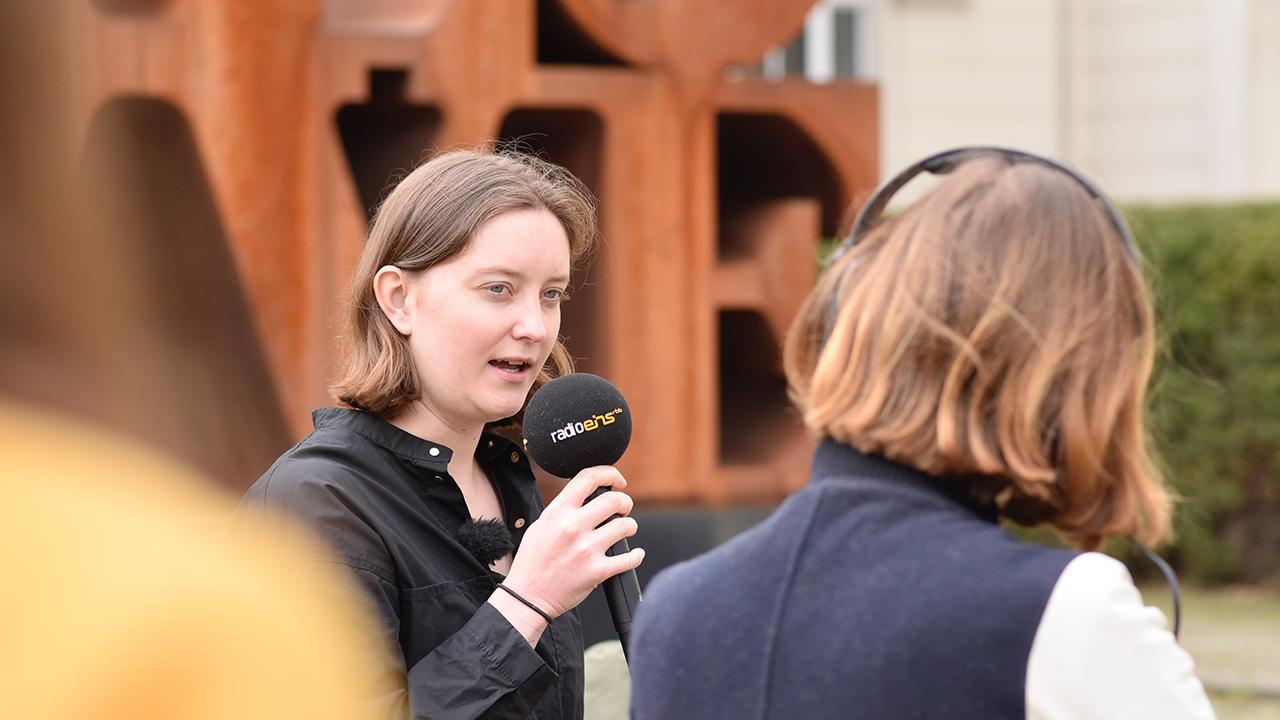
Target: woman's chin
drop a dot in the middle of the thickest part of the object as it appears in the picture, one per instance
(503, 410)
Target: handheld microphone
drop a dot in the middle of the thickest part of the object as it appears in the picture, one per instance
(576, 422)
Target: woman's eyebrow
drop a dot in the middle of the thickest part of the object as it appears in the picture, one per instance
(515, 274)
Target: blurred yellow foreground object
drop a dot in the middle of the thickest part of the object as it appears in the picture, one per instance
(125, 596)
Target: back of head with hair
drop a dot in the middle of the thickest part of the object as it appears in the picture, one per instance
(428, 219)
(997, 329)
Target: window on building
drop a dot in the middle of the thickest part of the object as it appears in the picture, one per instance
(793, 56)
(845, 25)
(836, 43)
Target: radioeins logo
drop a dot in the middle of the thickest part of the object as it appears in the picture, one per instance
(586, 426)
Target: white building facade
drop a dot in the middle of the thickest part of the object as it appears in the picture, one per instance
(1159, 100)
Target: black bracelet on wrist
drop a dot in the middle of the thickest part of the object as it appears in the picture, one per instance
(531, 606)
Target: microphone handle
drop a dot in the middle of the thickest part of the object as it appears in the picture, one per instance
(622, 591)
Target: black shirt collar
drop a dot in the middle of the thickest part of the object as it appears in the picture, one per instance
(405, 444)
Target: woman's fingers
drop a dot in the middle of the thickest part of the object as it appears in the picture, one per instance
(607, 535)
(618, 564)
(575, 493)
(606, 506)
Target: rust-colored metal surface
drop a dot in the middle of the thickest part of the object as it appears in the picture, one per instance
(713, 193)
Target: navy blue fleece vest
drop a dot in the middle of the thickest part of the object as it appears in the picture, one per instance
(874, 592)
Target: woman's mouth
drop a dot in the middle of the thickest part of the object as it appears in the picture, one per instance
(512, 369)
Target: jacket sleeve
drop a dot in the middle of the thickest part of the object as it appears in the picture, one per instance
(1099, 652)
(485, 669)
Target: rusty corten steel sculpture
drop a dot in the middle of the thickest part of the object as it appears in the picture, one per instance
(713, 193)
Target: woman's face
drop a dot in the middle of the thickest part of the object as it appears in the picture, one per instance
(483, 323)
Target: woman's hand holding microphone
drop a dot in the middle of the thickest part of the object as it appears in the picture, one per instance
(562, 555)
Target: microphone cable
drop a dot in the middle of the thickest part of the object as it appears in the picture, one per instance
(1171, 578)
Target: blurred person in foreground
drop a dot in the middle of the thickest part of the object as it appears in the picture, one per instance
(454, 322)
(122, 593)
(982, 356)
(125, 596)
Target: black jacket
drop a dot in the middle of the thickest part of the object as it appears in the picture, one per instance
(384, 501)
(874, 592)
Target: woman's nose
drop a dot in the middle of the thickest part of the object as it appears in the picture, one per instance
(531, 324)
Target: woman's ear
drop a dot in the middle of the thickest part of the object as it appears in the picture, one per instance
(394, 293)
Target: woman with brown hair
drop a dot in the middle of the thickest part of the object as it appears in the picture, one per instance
(454, 321)
(981, 356)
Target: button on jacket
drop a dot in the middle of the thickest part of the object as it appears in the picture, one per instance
(384, 501)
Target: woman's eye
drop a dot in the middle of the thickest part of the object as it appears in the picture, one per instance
(554, 295)
(496, 289)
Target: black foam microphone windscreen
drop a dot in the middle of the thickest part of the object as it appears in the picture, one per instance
(575, 422)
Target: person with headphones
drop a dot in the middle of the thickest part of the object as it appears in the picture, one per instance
(980, 357)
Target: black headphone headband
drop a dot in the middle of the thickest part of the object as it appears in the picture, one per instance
(944, 162)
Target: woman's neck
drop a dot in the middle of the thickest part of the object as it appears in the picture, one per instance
(420, 420)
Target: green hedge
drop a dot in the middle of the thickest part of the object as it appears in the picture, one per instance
(1215, 404)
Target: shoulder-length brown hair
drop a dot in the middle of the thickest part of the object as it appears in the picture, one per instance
(429, 218)
(996, 329)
